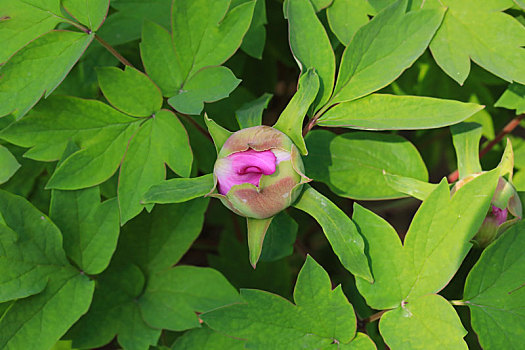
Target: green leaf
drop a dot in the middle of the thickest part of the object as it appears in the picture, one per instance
(352, 164)
(412, 187)
(250, 114)
(360, 342)
(126, 24)
(255, 38)
(391, 112)
(280, 238)
(9, 164)
(159, 58)
(205, 338)
(474, 31)
(160, 140)
(114, 311)
(382, 49)
(99, 156)
(466, 138)
(408, 327)
(436, 243)
(513, 98)
(184, 290)
(291, 119)
(129, 91)
(158, 240)
(320, 316)
(208, 85)
(320, 4)
(389, 262)
(207, 34)
(179, 190)
(31, 248)
(90, 228)
(340, 231)
(49, 126)
(345, 17)
(311, 47)
(38, 69)
(139, 281)
(233, 262)
(217, 132)
(447, 238)
(495, 293)
(88, 12)
(39, 321)
(32, 261)
(256, 231)
(21, 23)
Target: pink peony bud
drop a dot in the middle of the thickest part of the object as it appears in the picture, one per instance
(259, 172)
(504, 202)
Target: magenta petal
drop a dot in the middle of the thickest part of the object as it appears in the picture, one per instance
(499, 214)
(251, 161)
(244, 167)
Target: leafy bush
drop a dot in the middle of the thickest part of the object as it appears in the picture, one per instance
(113, 116)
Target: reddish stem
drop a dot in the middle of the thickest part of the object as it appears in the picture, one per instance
(114, 52)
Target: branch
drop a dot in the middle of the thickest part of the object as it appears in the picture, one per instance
(453, 177)
(374, 317)
(196, 125)
(114, 52)
(314, 120)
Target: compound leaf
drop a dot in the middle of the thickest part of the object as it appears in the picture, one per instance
(320, 315)
(90, 228)
(130, 91)
(38, 68)
(492, 39)
(207, 34)
(208, 85)
(159, 58)
(160, 140)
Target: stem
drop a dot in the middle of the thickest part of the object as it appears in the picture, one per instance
(375, 317)
(458, 302)
(196, 125)
(114, 52)
(314, 120)
(453, 177)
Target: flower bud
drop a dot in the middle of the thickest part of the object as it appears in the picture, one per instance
(258, 173)
(504, 202)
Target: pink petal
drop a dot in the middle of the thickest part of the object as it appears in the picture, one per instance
(244, 167)
(253, 161)
(499, 214)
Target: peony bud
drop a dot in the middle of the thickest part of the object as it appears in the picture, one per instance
(504, 202)
(258, 173)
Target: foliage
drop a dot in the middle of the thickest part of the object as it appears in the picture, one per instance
(112, 114)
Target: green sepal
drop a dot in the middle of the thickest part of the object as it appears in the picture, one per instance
(217, 132)
(256, 231)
